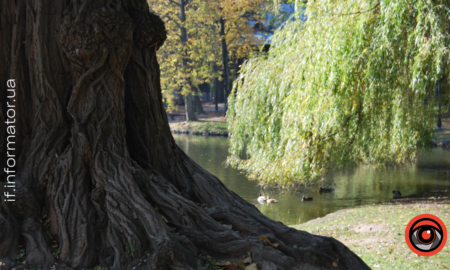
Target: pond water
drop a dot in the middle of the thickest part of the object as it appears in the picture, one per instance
(358, 186)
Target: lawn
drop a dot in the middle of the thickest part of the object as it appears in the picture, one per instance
(376, 234)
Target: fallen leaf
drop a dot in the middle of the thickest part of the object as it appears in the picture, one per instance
(223, 263)
(248, 259)
(164, 218)
(335, 264)
(252, 266)
(228, 226)
(228, 265)
(266, 241)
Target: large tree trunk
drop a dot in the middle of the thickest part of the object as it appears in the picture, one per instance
(99, 179)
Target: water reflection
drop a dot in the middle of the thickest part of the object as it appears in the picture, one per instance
(362, 185)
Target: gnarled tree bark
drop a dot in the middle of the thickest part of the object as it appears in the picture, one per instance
(99, 178)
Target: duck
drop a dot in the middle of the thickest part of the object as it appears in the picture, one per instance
(269, 200)
(307, 198)
(396, 193)
(326, 189)
(261, 198)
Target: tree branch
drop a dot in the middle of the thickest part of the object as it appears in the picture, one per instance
(175, 3)
(171, 19)
(361, 12)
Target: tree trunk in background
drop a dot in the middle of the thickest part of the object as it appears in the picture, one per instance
(226, 71)
(194, 104)
(216, 94)
(99, 179)
(198, 102)
(190, 115)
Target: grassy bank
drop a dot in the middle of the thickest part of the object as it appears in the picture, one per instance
(376, 234)
(200, 126)
(215, 122)
(442, 135)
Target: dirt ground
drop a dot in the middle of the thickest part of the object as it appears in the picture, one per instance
(209, 108)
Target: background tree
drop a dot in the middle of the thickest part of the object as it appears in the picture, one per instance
(236, 35)
(353, 84)
(177, 70)
(203, 43)
(217, 31)
(99, 179)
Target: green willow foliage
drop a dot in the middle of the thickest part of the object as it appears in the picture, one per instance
(355, 83)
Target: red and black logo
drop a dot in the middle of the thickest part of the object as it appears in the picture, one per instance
(426, 235)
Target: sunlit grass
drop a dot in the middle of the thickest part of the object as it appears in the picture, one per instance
(200, 126)
(385, 246)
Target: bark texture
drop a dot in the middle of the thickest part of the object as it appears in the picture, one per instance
(198, 102)
(99, 178)
(189, 105)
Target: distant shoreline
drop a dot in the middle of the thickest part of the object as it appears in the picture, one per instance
(200, 128)
(441, 144)
(200, 133)
(435, 144)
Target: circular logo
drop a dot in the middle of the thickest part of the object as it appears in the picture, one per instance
(426, 235)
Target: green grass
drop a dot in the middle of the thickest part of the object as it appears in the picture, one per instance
(200, 126)
(384, 247)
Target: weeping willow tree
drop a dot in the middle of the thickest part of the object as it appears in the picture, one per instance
(354, 83)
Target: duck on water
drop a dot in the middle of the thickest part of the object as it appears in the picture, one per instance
(261, 199)
(269, 200)
(326, 189)
(396, 193)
